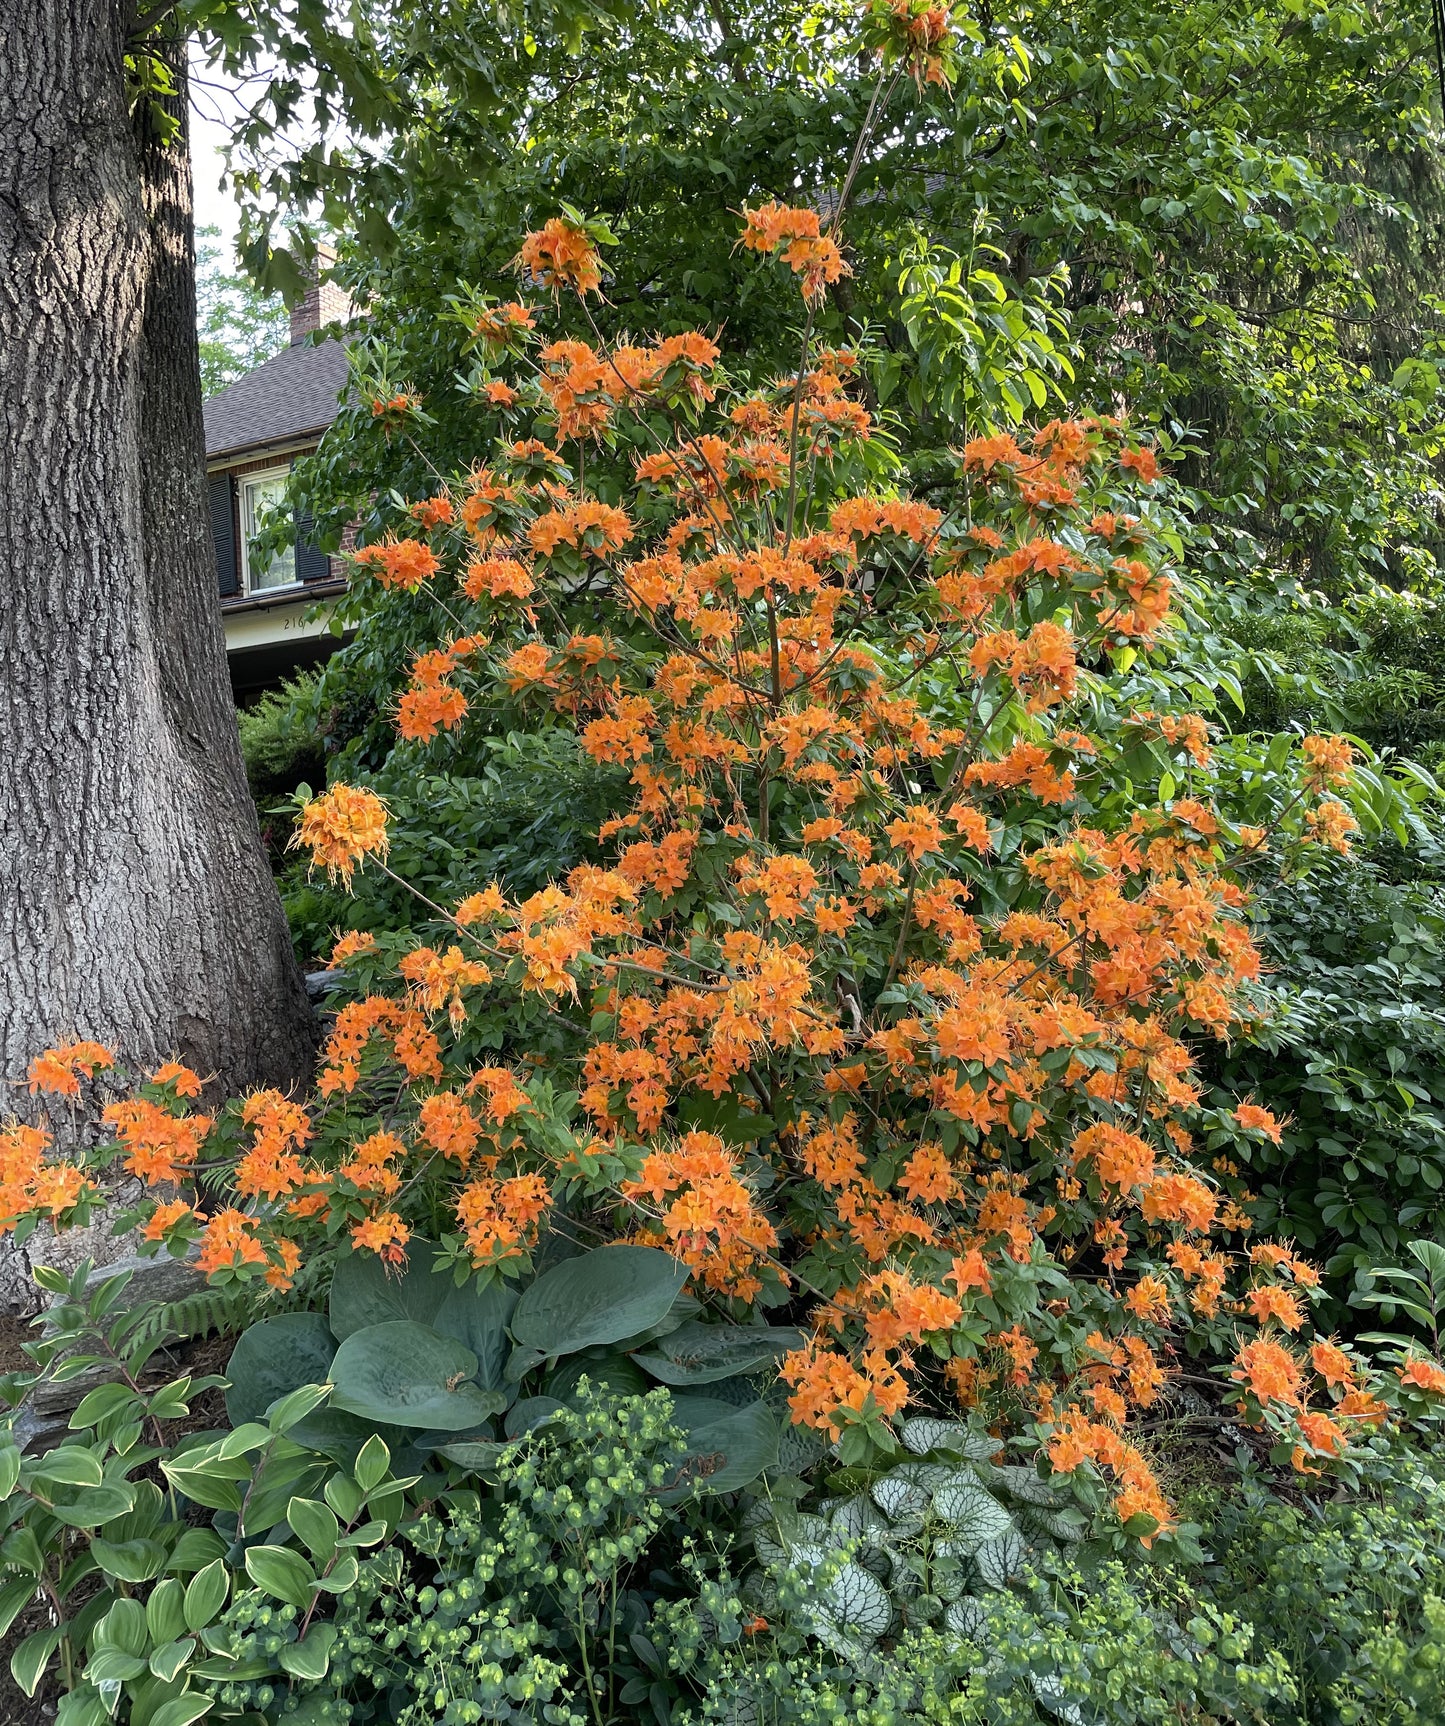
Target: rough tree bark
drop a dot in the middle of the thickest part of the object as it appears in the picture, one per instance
(136, 906)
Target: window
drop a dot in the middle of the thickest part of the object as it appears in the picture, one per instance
(261, 495)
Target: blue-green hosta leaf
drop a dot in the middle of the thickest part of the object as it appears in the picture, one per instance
(476, 1455)
(273, 1358)
(1000, 1558)
(614, 1373)
(698, 1353)
(531, 1412)
(973, 1514)
(726, 1450)
(923, 1434)
(409, 1376)
(799, 1447)
(598, 1298)
(364, 1292)
(479, 1318)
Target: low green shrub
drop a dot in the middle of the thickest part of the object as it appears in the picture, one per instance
(279, 741)
(1106, 1648)
(1350, 1590)
(1350, 1055)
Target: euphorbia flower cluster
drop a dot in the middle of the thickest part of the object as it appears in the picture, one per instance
(883, 1005)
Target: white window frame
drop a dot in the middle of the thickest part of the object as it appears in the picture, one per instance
(247, 589)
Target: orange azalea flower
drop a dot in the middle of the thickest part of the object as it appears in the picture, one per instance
(1423, 1375)
(342, 827)
(166, 1217)
(560, 254)
(173, 1073)
(229, 1243)
(385, 1234)
(1271, 1302)
(60, 1071)
(1256, 1120)
(404, 563)
(1270, 1370)
(349, 946)
(1332, 1364)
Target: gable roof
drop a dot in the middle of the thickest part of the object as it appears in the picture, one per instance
(294, 392)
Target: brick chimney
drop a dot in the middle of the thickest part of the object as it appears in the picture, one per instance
(325, 302)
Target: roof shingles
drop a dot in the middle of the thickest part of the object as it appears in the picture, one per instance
(295, 392)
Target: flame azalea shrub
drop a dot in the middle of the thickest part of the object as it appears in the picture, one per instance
(882, 1005)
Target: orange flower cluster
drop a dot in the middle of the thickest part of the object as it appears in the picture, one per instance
(30, 1185)
(798, 235)
(1078, 1440)
(404, 563)
(560, 254)
(59, 1071)
(341, 828)
(707, 1214)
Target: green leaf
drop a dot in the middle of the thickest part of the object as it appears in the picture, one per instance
(68, 1465)
(95, 1505)
(124, 1627)
(129, 1560)
(169, 1660)
(405, 1374)
(165, 1611)
(477, 1317)
(597, 1298)
(28, 1662)
(341, 1575)
(699, 1353)
(9, 1467)
(365, 1293)
(206, 1594)
(293, 1408)
(111, 1665)
(182, 1710)
(96, 1405)
(275, 1357)
(282, 1572)
(346, 1496)
(315, 1525)
(14, 1598)
(372, 1464)
(308, 1659)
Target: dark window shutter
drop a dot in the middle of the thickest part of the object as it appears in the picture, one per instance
(223, 534)
(312, 564)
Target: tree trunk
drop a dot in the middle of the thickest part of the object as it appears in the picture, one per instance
(136, 906)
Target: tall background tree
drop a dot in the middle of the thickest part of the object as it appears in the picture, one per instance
(136, 907)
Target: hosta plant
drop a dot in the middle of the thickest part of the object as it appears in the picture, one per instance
(463, 1372)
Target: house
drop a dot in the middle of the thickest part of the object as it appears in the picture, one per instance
(255, 429)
